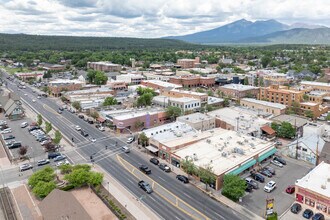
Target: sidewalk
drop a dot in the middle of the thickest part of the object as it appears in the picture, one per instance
(132, 204)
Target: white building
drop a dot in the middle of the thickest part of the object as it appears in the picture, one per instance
(198, 121)
(129, 78)
(184, 103)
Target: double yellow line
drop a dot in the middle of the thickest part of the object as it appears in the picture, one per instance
(176, 204)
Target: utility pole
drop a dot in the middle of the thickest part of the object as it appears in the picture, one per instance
(297, 135)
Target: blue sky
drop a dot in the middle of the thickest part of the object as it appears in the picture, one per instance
(149, 18)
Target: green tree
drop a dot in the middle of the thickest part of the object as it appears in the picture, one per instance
(305, 97)
(206, 175)
(141, 90)
(58, 137)
(76, 105)
(173, 112)
(265, 60)
(78, 177)
(95, 179)
(44, 175)
(42, 189)
(210, 93)
(145, 99)
(39, 119)
(91, 76)
(226, 102)
(309, 114)
(233, 187)
(256, 81)
(66, 168)
(143, 139)
(95, 115)
(110, 101)
(261, 82)
(295, 107)
(328, 117)
(285, 129)
(188, 166)
(49, 127)
(82, 166)
(100, 78)
(314, 68)
(246, 81)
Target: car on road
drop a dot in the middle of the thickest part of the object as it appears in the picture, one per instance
(270, 186)
(145, 186)
(101, 128)
(53, 155)
(251, 182)
(62, 163)
(182, 178)
(38, 97)
(290, 189)
(265, 172)
(271, 170)
(77, 127)
(126, 149)
(145, 169)
(276, 163)
(43, 162)
(164, 167)
(59, 158)
(318, 216)
(25, 94)
(295, 208)
(24, 167)
(24, 124)
(308, 213)
(61, 108)
(130, 140)
(33, 100)
(9, 137)
(81, 116)
(280, 159)
(83, 133)
(154, 160)
(92, 139)
(258, 177)
(59, 112)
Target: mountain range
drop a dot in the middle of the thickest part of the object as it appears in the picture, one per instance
(264, 32)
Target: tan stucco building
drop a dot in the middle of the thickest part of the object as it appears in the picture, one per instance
(264, 106)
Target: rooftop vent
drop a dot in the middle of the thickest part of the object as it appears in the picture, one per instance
(323, 186)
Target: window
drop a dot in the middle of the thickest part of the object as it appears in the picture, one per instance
(304, 149)
(309, 202)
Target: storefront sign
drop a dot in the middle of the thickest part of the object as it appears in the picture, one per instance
(269, 206)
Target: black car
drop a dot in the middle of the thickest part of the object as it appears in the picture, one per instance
(280, 159)
(81, 116)
(83, 133)
(53, 155)
(248, 188)
(14, 145)
(61, 109)
(271, 170)
(318, 216)
(164, 167)
(308, 213)
(145, 169)
(182, 178)
(258, 177)
(265, 173)
(154, 161)
(295, 208)
(32, 128)
(145, 186)
(9, 137)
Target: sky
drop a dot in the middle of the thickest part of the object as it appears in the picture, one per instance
(149, 18)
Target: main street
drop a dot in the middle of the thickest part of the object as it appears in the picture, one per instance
(66, 121)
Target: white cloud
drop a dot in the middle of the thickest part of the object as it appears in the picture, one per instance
(149, 18)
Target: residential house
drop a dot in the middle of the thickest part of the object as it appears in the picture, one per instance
(11, 105)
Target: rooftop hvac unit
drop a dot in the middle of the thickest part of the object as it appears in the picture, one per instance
(224, 154)
(208, 140)
(323, 186)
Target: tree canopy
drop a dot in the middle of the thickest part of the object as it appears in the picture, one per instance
(110, 101)
(173, 112)
(96, 77)
(285, 129)
(233, 187)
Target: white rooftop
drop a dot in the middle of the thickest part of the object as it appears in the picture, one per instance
(212, 100)
(66, 81)
(265, 103)
(189, 92)
(239, 87)
(183, 99)
(317, 180)
(312, 83)
(309, 103)
(91, 90)
(163, 84)
(106, 63)
(224, 150)
(136, 114)
(317, 93)
(195, 117)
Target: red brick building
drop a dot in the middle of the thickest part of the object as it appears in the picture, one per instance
(188, 63)
(192, 81)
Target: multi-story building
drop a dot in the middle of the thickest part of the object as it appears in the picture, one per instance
(198, 121)
(238, 91)
(313, 190)
(185, 103)
(315, 108)
(105, 66)
(319, 86)
(275, 79)
(175, 93)
(192, 81)
(58, 86)
(317, 96)
(264, 106)
(188, 63)
(282, 95)
(129, 78)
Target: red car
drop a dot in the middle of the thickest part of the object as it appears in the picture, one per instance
(290, 189)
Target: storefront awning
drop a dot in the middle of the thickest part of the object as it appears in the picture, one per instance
(101, 120)
(152, 149)
(268, 130)
(267, 154)
(243, 167)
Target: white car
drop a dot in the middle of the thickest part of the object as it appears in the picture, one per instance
(62, 163)
(276, 163)
(270, 186)
(24, 124)
(6, 131)
(77, 127)
(25, 94)
(33, 100)
(101, 128)
(92, 139)
(38, 97)
(25, 166)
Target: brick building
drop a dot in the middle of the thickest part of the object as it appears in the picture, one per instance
(281, 94)
(192, 81)
(238, 91)
(188, 63)
(105, 66)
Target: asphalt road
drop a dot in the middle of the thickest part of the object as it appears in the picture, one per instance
(66, 121)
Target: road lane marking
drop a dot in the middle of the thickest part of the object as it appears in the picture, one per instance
(152, 198)
(162, 179)
(177, 199)
(187, 195)
(220, 216)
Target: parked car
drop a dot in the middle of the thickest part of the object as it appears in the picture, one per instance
(81, 116)
(145, 169)
(145, 186)
(43, 162)
(249, 188)
(258, 177)
(10, 142)
(270, 186)
(251, 182)
(101, 128)
(24, 124)
(265, 172)
(295, 208)
(92, 139)
(182, 178)
(280, 159)
(290, 189)
(318, 216)
(45, 142)
(59, 158)
(6, 131)
(154, 161)
(308, 213)
(59, 111)
(62, 163)
(271, 170)
(61, 108)
(164, 167)
(130, 140)
(77, 127)
(276, 163)
(53, 155)
(24, 167)
(14, 145)
(84, 133)
(32, 128)
(9, 137)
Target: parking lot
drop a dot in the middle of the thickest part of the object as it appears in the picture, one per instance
(256, 200)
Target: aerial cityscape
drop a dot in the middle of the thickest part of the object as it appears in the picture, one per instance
(164, 110)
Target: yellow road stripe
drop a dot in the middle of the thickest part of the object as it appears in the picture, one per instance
(176, 204)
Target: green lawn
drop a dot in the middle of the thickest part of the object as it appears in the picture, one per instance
(14, 70)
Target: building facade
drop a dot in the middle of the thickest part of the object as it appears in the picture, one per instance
(189, 81)
(105, 66)
(264, 106)
(175, 93)
(188, 63)
(238, 91)
(282, 95)
(198, 121)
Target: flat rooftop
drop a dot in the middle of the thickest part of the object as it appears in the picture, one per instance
(128, 113)
(195, 117)
(292, 119)
(105, 63)
(312, 83)
(66, 81)
(212, 100)
(189, 92)
(309, 103)
(183, 99)
(317, 93)
(224, 150)
(163, 84)
(265, 103)
(91, 90)
(239, 87)
(317, 180)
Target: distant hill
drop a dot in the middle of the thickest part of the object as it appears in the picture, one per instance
(233, 32)
(71, 43)
(294, 36)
